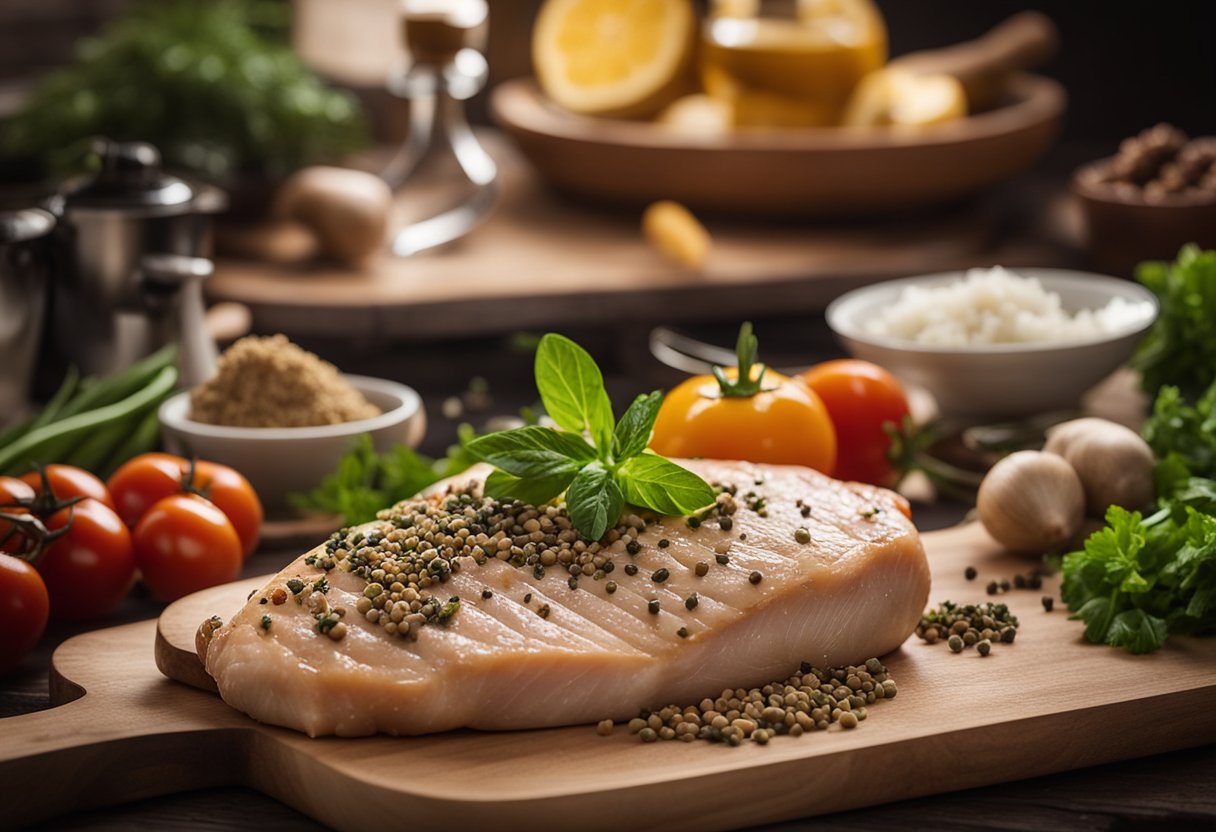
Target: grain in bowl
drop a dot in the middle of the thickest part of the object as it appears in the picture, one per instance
(997, 306)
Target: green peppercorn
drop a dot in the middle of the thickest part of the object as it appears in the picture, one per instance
(983, 647)
(955, 643)
(802, 535)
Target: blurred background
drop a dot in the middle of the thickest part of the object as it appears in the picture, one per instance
(554, 240)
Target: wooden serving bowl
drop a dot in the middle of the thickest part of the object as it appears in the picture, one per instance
(823, 172)
(1123, 229)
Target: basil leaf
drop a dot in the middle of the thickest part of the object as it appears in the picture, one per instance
(594, 501)
(653, 482)
(533, 451)
(632, 433)
(503, 486)
(572, 389)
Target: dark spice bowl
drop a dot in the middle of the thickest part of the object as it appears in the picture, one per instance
(1123, 228)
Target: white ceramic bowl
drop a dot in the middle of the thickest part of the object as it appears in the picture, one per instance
(278, 461)
(997, 381)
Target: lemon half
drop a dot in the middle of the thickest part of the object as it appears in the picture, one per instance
(614, 57)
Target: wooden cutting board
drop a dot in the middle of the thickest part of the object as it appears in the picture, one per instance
(1049, 702)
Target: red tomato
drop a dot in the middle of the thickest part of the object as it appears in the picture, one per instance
(23, 609)
(90, 569)
(13, 492)
(68, 481)
(149, 478)
(142, 481)
(860, 398)
(184, 544)
(233, 495)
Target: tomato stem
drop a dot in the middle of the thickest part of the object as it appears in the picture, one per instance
(34, 531)
(746, 349)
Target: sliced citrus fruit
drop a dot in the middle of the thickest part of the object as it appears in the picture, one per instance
(614, 57)
(899, 97)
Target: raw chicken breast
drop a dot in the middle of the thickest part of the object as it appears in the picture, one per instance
(566, 656)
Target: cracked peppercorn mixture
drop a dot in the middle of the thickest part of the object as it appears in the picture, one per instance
(455, 610)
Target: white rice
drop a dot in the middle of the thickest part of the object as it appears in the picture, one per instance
(996, 306)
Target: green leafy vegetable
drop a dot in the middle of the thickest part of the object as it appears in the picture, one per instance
(594, 500)
(1176, 427)
(366, 482)
(535, 464)
(572, 388)
(1180, 349)
(1140, 579)
(218, 90)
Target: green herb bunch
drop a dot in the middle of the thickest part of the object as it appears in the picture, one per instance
(1141, 579)
(601, 464)
(213, 84)
(1180, 349)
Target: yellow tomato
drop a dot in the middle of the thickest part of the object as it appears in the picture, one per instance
(784, 423)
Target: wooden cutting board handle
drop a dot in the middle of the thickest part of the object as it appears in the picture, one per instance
(1023, 42)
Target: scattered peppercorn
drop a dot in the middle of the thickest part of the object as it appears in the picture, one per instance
(992, 587)
(691, 601)
(701, 569)
(631, 569)
(633, 547)
(265, 622)
(682, 632)
(487, 594)
(1048, 603)
(726, 524)
(809, 700)
(968, 625)
(755, 578)
(722, 559)
(802, 535)
(660, 575)
(653, 606)
(970, 573)
(527, 597)
(664, 543)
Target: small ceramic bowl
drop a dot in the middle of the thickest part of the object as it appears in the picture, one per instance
(1122, 228)
(994, 382)
(279, 461)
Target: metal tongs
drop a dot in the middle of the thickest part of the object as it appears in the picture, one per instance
(446, 69)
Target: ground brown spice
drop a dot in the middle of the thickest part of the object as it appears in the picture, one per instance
(272, 383)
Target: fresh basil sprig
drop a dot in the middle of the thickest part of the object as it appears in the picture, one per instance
(599, 475)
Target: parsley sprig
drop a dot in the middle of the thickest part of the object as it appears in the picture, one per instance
(600, 463)
(1141, 579)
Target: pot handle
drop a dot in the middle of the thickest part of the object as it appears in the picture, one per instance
(185, 275)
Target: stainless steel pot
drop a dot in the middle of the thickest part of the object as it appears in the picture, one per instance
(24, 278)
(133, 244)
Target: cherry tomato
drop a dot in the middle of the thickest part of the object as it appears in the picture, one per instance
(12, 492)
(233, 495)
(861, 398)
(68, 481)
(148, 478)
(90, 569)
(776, 420)
(142, 481)
(23, 609)
(184, 544)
